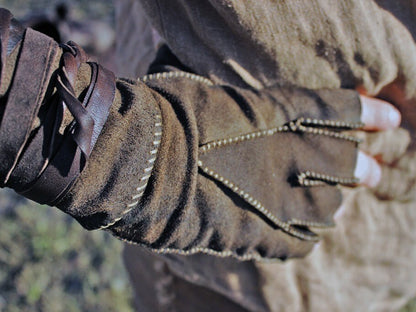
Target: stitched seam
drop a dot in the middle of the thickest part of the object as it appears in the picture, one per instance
(241, 138)
(196, 250)
(293, 126)
(312, 178)
(308, 125)
(140, 189)
(308, 223)
(176, 74)
(256, 204)
(331, 123)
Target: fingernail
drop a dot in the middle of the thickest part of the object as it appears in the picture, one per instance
(394, 117)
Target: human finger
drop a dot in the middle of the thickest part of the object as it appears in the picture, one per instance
(367, 170)
(377, 114)
(385, 146)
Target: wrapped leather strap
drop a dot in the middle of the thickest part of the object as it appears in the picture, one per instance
(5, 18)
(24, 98)
(80, 137)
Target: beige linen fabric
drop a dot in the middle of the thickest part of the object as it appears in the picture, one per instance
(366, 262)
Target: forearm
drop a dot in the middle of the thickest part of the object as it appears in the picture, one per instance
(182, 165)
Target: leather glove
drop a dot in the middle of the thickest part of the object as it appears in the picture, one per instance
(259, 171)
(173, 162)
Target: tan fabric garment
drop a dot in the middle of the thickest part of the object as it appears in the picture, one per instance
(136, 41)
(366, 262)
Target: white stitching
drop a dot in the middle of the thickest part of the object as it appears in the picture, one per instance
(110, 224)
(294, 126)
(256, 204)
(311, 178)
(176, 74)
(192, 251)
(134, 203)
(142, 187)
(302, 123)
(136, 197)
(308, 223)
(146, 177)
(241, 138)
(332, 123)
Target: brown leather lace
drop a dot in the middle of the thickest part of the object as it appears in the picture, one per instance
(66, 156)
(89, 118)
(84, 123)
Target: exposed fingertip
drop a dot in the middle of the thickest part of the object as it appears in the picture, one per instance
(368, 171)
(394, 117)
(377, 114)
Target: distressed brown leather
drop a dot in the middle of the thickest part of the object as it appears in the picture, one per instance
(217, 113)
(367, 259)
(18, 117)
(5, 18)
(40, 165)
(89, 118)
(183, 165)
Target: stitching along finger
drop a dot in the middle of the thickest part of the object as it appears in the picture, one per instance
(258, 206)
(319, 127)
(311, 178)
(298, 125)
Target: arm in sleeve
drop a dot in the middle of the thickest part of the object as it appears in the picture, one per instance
(173, 162)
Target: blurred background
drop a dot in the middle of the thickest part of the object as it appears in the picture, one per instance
(48, 262)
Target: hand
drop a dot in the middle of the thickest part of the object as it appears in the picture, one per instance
(377, 115)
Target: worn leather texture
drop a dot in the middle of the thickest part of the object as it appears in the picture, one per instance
(146, 176)
(366, 262)
(302, 284)
(37, 160)
(201, 212)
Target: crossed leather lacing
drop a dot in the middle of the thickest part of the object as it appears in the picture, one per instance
(66, 155)
(89, 118)
(84, 123)
(36, 158)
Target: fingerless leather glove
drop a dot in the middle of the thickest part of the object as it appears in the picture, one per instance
(171, 161)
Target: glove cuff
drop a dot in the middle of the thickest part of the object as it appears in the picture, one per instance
(37, 158)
